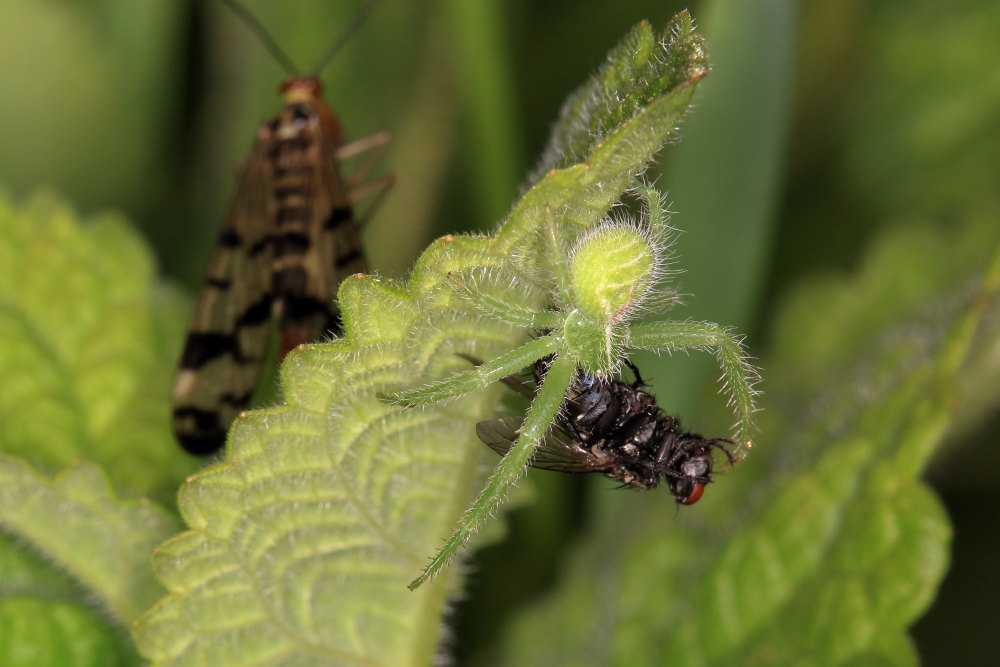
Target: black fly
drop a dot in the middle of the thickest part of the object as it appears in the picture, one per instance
(617, 429)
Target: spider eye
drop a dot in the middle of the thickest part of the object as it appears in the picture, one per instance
(696, 490)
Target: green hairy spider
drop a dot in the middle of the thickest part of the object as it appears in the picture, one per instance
(602, 280)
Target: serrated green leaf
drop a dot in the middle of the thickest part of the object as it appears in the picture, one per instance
(88, 351)
(637, 71)
(79, 572)
(303, 540)
(824, 546)
(89, 346)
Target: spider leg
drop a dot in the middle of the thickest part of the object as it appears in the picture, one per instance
(478, 377)
(522, 388)
(536, 422)
(738, 375)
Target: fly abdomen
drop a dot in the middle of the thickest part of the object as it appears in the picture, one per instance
(617, 429)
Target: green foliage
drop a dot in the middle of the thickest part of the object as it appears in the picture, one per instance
(75, 566)
(75, 521)
(89, 347)
(636, 72)
(86, 335)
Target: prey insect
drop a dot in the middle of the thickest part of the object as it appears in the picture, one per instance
(611, 427)
(290, 237)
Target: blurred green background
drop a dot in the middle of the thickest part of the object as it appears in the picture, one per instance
(821, 123)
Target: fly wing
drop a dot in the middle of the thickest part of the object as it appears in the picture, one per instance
(339, 231)
(499, 434)
(559, 451)
(318, 240)
(227, 341)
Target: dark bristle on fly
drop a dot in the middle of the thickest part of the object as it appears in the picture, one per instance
(610, 427)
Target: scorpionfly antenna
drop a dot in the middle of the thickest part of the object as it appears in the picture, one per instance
(271, 44)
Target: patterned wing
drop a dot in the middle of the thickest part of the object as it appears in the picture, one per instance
(318, 242)
(559, 451)
(227, 342)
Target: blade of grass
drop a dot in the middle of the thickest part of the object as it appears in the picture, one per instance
(495, 158)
